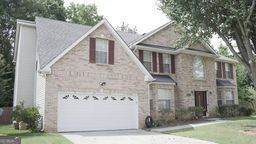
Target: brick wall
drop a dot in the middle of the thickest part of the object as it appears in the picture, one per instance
(73, 72)
(156, 115)
(184, 92)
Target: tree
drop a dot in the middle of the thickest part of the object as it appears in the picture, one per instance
(83, 14)
(224, 51)
(125, 28)
(231, 20)
(10, 10)
(6, 83)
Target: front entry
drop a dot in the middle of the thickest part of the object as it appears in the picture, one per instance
(201, 100)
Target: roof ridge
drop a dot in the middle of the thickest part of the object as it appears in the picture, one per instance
(66, 22)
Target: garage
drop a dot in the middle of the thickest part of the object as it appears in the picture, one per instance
(94, 112)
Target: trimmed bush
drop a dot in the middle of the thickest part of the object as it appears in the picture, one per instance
(244, 111)
(29, 115)
(234, 110)
(197, 111)
(228, 110)
(189, 113)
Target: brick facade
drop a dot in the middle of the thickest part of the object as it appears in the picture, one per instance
(74, 73)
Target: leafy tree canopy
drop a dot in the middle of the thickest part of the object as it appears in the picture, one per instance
(231, 20)
(83, 14)
(11, 10)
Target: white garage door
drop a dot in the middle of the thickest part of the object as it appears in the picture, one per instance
(90, 112)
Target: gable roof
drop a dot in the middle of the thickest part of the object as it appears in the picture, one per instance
(146, 36)
(151, 33)
(54, 36)
(63, 49)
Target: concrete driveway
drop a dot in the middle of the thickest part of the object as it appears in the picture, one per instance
(128, 137)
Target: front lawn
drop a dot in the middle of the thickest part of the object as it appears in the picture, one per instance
(28, 137)
(236, 131)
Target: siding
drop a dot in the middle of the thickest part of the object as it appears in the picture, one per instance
(24, 89)
(40, 93)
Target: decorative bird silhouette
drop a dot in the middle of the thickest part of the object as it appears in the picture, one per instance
(95, 98)
(85, 98)
(105, 98)
(75, 97)
(65, 97)
(130, 99)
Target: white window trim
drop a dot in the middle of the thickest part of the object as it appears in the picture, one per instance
(150, 59)
(204, 71)
(101, 51)
(168, 98)
(170, 62)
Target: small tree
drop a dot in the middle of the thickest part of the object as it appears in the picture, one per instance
(83, 14)
(125, 28)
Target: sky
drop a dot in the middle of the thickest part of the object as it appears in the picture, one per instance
(144, 14)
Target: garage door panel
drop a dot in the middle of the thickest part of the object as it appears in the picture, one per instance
(78, 112)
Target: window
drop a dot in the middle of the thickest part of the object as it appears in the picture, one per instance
(219, 97)
(147, 60)
(166, 63)
(198, 67)
(227, 70)
(229, 97)
(151, 104)
(101, 51)
(164, 99)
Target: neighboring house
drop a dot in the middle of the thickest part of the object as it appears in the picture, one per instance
(86, 78)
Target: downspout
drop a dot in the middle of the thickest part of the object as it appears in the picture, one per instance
(149, 98)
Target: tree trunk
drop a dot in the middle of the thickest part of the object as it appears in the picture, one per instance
(253, 73)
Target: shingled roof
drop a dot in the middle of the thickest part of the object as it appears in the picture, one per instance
(53, 37)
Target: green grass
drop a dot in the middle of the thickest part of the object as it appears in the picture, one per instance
(230, 132)
(28, 137)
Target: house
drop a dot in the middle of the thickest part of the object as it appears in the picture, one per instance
(86, 78)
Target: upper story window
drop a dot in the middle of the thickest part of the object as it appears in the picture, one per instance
(147, 60)
(198, 68)
(166, 63)
(101, 51)
(164, 99)
(228, 70)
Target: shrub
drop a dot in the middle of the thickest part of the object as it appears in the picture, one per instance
(29, 115)
(183, 114)
(234, 110)
(198, 112)
(189, 113)
(244, 111)
(18, 112)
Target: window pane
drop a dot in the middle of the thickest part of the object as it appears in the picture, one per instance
(228, 95)
(229, 102)
(164, 96)
(166, 59)
(151, 105)
(101, 51)
(198, 66)
(166, 68)
(101, 57)
(101, 45)
(219, 102)
(163, 105)
(227, 68)
(147, 65)
(147, 56)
